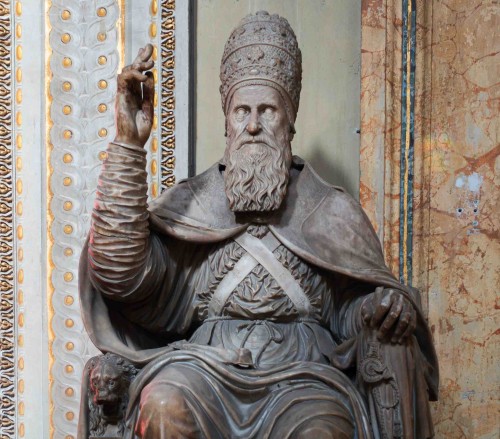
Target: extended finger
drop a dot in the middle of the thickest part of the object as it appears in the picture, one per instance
(138, 59)
(143, 55)
(139, 67)
(391, 317)
(383, 302)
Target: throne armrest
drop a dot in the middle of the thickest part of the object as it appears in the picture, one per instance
(105, 393)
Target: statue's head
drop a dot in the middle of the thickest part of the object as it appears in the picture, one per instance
(261, 74)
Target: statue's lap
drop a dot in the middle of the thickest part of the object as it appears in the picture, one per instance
(229, 399)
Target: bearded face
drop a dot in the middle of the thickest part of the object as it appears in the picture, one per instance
(258, 152)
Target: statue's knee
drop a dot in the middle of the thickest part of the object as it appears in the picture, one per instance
(165, 412)
(163, 399)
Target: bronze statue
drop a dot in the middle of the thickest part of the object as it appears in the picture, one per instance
(253, 297)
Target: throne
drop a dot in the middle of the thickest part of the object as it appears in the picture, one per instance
(108, 377)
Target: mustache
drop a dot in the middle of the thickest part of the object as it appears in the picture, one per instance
(244, 138)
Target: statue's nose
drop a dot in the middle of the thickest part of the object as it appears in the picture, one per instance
(253, 126)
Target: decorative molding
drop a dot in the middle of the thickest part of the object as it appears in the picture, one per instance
(18, 207)
(409, 14)
(84, 60)
(388, 35)
(167, 93)
(7, 228)
(159, 30)
(154, 153)
(121, 32)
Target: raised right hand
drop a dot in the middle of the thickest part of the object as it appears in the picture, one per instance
(134, 104)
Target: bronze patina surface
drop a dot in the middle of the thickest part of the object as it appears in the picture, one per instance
(253, 299)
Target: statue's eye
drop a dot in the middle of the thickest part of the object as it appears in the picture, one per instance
(111, 383)
(241, 113)
(268, 112)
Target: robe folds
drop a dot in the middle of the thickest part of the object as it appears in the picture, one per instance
(152, 328)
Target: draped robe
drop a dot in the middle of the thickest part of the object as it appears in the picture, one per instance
(145, 295)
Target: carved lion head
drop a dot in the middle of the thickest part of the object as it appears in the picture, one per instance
(109, 379)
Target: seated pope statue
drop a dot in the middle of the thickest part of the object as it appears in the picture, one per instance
(253, 298)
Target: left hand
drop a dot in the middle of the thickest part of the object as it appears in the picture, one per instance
(391, 313)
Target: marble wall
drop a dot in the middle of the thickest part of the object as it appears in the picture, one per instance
(463, 229)
(456, 248)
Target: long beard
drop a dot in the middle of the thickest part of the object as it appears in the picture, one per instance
(257, 172)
